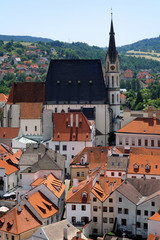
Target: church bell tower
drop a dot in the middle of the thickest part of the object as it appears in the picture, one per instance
(112, 80)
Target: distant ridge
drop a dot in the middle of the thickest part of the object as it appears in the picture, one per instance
(24, 38)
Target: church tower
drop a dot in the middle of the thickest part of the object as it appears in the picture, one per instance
(112, 80)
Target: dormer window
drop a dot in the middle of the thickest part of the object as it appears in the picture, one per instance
(147, 168)
(84, 197)
(136, 167)
(82, 160)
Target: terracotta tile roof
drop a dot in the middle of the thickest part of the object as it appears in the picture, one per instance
(37, 182)
(63, 130)
(31, 110)
(34, 66)
(42, 205)
(8, 132)
(26, 92)
(142, 162)
(55, 185)
(142, 125)
(3, 98)
(96, 156)
(156, 216)
(75, 194)
(141, 150)
(149, 80)
(153, 237)
(8, 168)
(18, 222)
(52, 183)
(122, 95)
(18, 154)
(21, 66)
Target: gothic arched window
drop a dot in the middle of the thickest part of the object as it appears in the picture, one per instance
(112, 98)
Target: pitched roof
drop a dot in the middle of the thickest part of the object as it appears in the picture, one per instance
(31, 110)
(142, 126)
(75, 81)
(96, 156)
(18, 154)
(3, 98)
(9, 132)
(52, 183)
(140, 150)
(66, 128)
(26, 92)
(17, 222)
(44, 163)
(75, 194)
(42, 205)
(155, 217)
(55, 231)
(146, 187)
(153, 237)
(142, 161)
(129, 191)
(8, 168)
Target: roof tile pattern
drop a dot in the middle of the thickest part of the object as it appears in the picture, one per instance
(31, 110)
(142, 126)
(64, 130)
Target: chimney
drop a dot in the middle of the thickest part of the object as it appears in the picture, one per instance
(71, 117)
(85, 157)
(110, 187)
(75, 182)
(97, 177)
(109, 153)
(127, 149)
(19, 209)
(154, 115)
(78, 235)
(65, 237)
(76, 120)
(39, 156)
(87, 178)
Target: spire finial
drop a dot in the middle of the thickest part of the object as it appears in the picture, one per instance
(111, 13)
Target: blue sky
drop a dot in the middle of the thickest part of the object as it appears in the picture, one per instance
(81, 20)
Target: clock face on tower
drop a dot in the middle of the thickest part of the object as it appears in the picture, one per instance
(112, 67)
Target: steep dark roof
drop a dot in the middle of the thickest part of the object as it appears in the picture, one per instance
(112, 52)
(26, 92)
(75, 81)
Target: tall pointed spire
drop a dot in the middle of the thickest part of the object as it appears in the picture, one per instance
(112, 52)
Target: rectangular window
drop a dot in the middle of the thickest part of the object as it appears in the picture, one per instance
(138, 212)
(119, 210)
(78, 174)
(112, 173)
(73, 219)
(133, 142)
(126, 211)
(127, 141)
(94, 199)
(73, 207)
(158, 143)
(35, 128)
(139, 142)
(64, 147)
(152, 143)
(146, 142)
(94, 219)
(138, 224)
(152, 213)
(119, 174)
(83, 207)
(123, 222)
(7, 237)
(120, 141)
(110, 200)
(56, 147)
(105, 220)
(94, 208)
(26, 128)
(82, 174)
(20, 176)
(145, 226)
(95, 230)
(145, 212)
(152, 204)
(120, 199)
(111, 209)
(104, 209)
(110, 220)
(65, 156)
